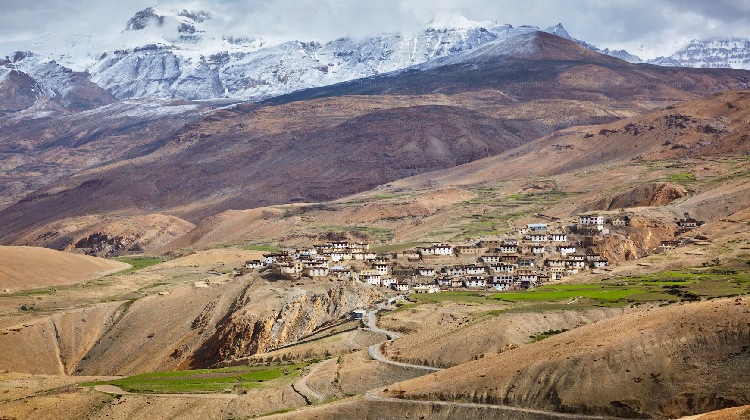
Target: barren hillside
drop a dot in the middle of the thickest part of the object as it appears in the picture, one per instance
(325, 144)
(665, 362)
(24, 268)
(712, 126)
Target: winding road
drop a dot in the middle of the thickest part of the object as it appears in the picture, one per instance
(312, 396)
(374, 350)
(309, 393)
(373, 395)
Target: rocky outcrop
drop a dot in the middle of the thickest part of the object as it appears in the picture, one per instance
(244, 332)
(103, 245)
(637, 240)
(648, 195)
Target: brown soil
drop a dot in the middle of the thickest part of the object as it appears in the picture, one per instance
(702, 127)
(23, 268)
(737, 413)
(469, 328)
(655, 194)
(108, 236)
(664, 362)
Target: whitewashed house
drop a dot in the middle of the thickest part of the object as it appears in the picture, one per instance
(527, 280)
(436, 250)
(340, 271)
(526, 262)
(537, 237)
(426, 288)
(316, 271)
(444, 281)
(554, 262)
(490, 259)
(370, 277)
(503, 282)
(578, 264)
(599, 263)
(566, 249)
(426, 271)
(337, 256)
(253, 264)
(593, 220)
(286, 269)
(455, 270)
(400, 287)
(502, 268)
(474, 270)
(269, 259)
(558, 237)
(508, 249)
(474, 282)
(388, 282)
(381, 268)
(537, 249)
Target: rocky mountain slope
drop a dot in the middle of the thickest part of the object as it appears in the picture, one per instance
(297, 147)
(41, 146)
(175, 54)
(522, 68)
(164, 53)
(711, 53)
(657, 367)
(178, 53)
(712, 126)
(230, 319)
(27, 80)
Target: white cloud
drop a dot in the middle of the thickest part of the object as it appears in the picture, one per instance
(648, 27)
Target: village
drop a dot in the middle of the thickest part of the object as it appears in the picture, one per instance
(526, 258)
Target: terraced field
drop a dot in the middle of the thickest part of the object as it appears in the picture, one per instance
(227, 380)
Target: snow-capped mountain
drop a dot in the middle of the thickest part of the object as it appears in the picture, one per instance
(28, 79)
(716, 53)
(163, 53)
(181, 60)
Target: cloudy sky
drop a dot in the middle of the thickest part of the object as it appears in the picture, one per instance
(646, 28)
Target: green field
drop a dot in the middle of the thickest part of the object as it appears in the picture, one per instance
(204, 380)
(137, 263)
(468, 297)
(666, 286)
(682, 177)
(705, 283)
(566, 292)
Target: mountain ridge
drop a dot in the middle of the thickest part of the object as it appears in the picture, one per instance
(165, 53)
(326, 143)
